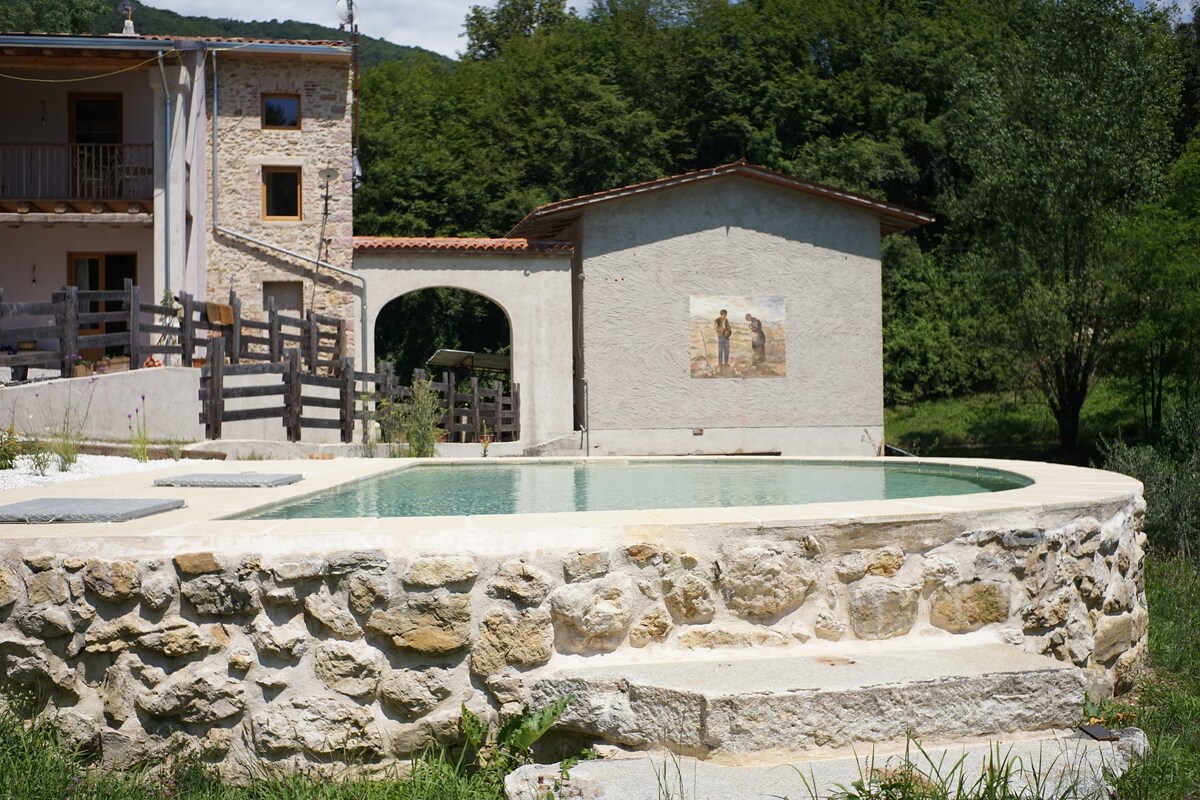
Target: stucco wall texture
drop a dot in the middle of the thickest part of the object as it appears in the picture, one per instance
(644, 257)
(244, 148)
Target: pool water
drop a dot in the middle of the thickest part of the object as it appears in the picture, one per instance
(523, 488)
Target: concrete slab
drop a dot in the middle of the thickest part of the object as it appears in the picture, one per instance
(84, 509)
(239, 480)
(803, 701)
(1058, 759)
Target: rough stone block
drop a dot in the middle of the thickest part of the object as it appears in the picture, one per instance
(507, 637)
(415, 692)
(883, 610)
(220, 595)
(199, 693)
(593, 616)
(969, 606)
(521, 582)
(690, 599)
(585, 565)
(322, 726)
(113, 581)
(765, 580)
(433, 571)
(350, 668)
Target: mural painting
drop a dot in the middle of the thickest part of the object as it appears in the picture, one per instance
(735, 336)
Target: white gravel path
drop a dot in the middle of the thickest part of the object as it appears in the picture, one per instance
(24, 474)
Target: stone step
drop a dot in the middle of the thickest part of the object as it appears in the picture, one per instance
(1052, 762)
(839, 698)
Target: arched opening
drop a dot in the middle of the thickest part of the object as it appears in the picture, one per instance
(413, 327)
(463, 342)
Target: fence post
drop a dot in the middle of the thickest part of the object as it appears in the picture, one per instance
(348, 398)
(187, 333)
(477, 429)
(274, 338)
(312, 341)
(341, 343)
(516, 407)
(70, 328)
(235, 336)
(294, 401)
(214, 373)
(135, 324)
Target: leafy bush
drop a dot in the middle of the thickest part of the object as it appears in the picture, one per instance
(417, 419)
(1170, 471)
(10, 448)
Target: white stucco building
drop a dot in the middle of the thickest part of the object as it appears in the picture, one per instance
(630, 280)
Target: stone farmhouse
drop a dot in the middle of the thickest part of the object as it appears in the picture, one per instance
(730, 310)
(184, 164)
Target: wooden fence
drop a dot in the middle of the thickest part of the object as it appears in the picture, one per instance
(152, 333)
(358, 397)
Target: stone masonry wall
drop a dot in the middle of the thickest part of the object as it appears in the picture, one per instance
(366, 656)
(244, 148)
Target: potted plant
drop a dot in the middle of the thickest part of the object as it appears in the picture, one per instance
(81, 368)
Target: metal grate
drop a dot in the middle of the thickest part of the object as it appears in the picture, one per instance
(226, 480)
(84, 509)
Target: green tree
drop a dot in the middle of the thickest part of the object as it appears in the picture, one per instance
(490, 30)
(1069, 133)
(1157, 292)
(50, 16)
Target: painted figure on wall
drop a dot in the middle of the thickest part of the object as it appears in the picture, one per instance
(724, 332)
(721, 348)
(758, 340)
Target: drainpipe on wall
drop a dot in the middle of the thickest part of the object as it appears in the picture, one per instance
(166, 183)
(218, 228)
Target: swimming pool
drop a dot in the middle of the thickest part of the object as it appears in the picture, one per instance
(568, 486)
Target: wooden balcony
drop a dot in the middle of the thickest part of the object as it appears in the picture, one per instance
(76, 178)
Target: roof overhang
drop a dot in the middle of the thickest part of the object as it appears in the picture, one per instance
(50, 44)
(467, 360)
(461, 245)
(550, 220)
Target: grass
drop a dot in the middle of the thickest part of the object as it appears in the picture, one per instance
(1006, 425)
(1168, 709)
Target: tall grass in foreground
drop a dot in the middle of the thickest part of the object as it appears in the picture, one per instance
(1169, 707)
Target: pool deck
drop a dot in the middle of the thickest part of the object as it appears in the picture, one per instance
(202, 522)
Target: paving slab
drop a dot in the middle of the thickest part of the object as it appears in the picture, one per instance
(84, 509)
(802, 701)
(1059, 759)
(222, 480)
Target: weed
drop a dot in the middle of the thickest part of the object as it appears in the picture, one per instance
(417, 419)
(139, 434)
(39, 456)
(66, 433)
(10, 447)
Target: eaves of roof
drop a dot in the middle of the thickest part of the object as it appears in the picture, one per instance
(551, 219)
(450, 244)
(109, 43)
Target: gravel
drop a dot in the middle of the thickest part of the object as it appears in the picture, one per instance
(24, 474)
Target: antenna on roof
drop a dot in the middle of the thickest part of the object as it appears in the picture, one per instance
(347, 11)
(126, 8)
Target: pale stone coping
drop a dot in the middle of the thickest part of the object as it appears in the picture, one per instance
(206, 511)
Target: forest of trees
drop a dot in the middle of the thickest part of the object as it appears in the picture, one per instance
(1053, 139)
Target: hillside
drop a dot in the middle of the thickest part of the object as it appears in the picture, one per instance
(160, 21)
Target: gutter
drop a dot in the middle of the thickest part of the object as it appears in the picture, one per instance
(218, 228)
(167, 179)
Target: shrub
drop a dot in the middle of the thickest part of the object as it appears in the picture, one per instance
(1170, 471)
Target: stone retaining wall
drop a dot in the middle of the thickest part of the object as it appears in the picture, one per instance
(366, 656)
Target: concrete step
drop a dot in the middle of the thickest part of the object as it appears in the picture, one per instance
(1051, 763)
(849, 696)
(565, 446)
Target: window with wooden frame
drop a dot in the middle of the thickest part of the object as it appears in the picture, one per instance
(281, 193)
(281, 111)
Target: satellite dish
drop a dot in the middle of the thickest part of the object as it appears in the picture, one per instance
(346, 10)
(328, 174)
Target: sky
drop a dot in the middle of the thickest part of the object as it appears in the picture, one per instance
(433, 24)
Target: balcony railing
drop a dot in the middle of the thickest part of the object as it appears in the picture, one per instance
(98, 172)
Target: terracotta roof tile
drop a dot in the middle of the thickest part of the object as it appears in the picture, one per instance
(430, 244)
